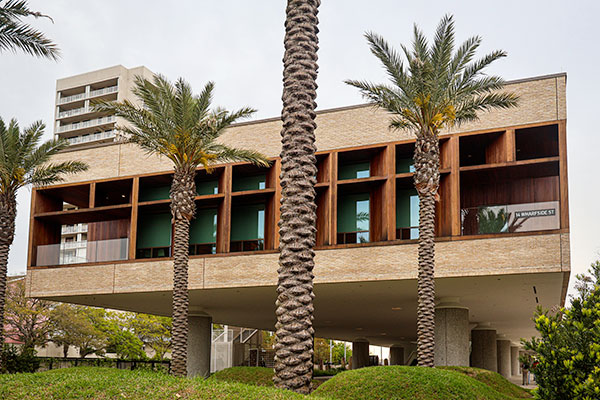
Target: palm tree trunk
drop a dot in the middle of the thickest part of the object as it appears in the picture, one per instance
(8, 213)
(294, 331)
(427, 179)
(183, 191)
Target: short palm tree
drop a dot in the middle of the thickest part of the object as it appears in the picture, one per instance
(435, 88)
(15, 34)
(294, 331)
(180, 126)
(24, 161)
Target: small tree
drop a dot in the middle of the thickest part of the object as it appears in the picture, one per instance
(27, 319)
(79, 327)
(154, 332)
(567, 361)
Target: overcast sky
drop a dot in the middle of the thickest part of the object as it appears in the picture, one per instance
(238, 44)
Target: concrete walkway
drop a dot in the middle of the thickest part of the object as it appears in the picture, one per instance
(518, 380)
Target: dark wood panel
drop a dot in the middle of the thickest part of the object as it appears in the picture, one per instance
(224, 211)
(106, 230)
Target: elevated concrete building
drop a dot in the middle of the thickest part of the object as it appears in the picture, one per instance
(502, 231)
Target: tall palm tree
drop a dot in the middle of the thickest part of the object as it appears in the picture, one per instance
(15, 34)
(294, 331)
(24, 161)
(436, 88)
(180, 126)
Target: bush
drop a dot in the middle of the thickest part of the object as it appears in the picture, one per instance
(14, 361)
(567, 360)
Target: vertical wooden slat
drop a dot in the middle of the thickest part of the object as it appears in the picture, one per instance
(273, 212)
(134, 217)
(454, 185)
(31, 245)
(564, 181)
(224, 217)
(333, 198)
(92, 195)
(390, 192)
(510, 144)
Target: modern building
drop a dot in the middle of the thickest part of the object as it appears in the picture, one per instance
(502, 232)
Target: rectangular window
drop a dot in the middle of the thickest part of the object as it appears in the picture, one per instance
(407, 214)
(247, 227)
(354, 171)
(353, 218)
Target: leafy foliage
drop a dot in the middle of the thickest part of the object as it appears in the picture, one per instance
(178, 125)
(24, 161)
(567, 361)
(15, 34)
(434, 86)
(80, 327)
(27, 319)
(321, 351)
(153, 331)
(13, 360)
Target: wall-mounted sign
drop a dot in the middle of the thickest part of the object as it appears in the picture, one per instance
(549, 212)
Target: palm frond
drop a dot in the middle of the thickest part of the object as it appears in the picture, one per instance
(52, 173)
(15, 34)
(231, 154)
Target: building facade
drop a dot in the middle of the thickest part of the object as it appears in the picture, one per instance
(502, 232)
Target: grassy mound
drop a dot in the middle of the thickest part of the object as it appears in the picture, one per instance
(401, 382)
(93, 383)
(493, 379)
(260, 376)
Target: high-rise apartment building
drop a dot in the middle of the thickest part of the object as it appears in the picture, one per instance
(74, 117)
(502, 232)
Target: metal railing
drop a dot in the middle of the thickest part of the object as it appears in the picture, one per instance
(85, 124)
(509, 218)
(93, 93)
(96, 251)
(353, 237)
(77, 228)
(93, 137)
(73, 112)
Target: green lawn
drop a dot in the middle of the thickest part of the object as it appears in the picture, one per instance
(399, 383)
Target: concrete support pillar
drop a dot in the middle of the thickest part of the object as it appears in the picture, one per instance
(451, 333)
(514, 361)
(239, 354)
(396, 355)
(503, 356)
(484, 352)
(199, 345)
(360, 353)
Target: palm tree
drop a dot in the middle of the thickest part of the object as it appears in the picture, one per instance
(24, 161)
(294, 331)
(180, 126)
(15, 34)
(438, 87)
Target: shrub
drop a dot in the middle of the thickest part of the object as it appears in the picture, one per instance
(567, 360)
(14, 361)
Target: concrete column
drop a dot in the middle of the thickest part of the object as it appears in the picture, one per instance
(396, 355)
(514, 361)
(484, 353)
(503, 356)
(199, 345)
(360, 353)
(451, 333)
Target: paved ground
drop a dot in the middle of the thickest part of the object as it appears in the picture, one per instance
(518, 380)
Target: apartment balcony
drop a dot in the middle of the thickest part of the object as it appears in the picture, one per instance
(74, 245)
(92, 94)
(74, 112)
(86, 124)
(96, 251)
(77, 228)
(92, 137)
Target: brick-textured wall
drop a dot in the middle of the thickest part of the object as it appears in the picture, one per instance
(540, 100)
(495, 256)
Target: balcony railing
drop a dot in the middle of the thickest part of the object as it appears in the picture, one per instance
(77, 228)
(509, 218)
(73, 112)
(86, 124)
(353, 237)
(247, 245)
(96, 251)
(93, 93)
(82, 244)
(93, 137)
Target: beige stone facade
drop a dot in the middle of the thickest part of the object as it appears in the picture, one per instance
(542, 99)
